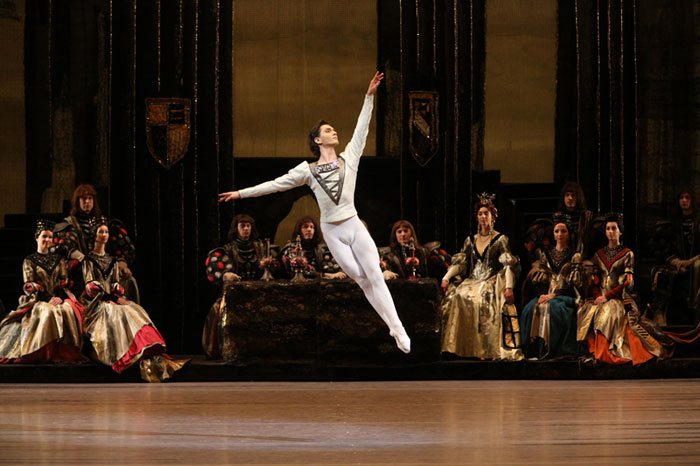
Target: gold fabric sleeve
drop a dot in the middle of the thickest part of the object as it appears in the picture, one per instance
(629, 270)
(508, 261)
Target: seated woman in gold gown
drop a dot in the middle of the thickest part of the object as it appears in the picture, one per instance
(120, 331)
(479, 318)
(609, 320)
(47, 325)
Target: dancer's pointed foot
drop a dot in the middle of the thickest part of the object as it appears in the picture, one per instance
(402, 341)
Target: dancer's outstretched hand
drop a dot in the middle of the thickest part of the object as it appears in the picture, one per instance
(229, 196)
(389, 275)
(374, 83)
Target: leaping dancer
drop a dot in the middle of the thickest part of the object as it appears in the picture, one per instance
(332, 179)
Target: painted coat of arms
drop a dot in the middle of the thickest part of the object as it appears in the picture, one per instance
(167, 129)
(423, 125)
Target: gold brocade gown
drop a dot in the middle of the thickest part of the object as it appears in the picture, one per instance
(476, 320)
(615, 331)
(121, 334)
(38, 331)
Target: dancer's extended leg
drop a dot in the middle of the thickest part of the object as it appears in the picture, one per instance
(355, 251)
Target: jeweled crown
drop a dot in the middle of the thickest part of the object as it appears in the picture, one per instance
(486, 198)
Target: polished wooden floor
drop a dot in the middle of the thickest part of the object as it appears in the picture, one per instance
(456, 422)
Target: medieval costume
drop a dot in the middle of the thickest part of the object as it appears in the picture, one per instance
(548, 329)
(318, 260)
(244, 256)
(40, 331)
(580, 221)
(614, 331)
(74, 236)
(477, 322)
(676, 288)
(120, 331)
(572, 210)
(432, 261)
(239, 257)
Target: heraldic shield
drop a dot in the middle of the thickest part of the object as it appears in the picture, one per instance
(423, 125)
(167, 129)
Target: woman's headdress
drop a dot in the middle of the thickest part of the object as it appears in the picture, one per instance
(43, 224)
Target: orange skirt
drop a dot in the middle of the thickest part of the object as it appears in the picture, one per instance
(599, 346)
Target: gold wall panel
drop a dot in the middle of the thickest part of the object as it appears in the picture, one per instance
(521, 67)
(298, 62)
(12, 122)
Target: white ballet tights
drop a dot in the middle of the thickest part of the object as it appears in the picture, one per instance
(355, 251)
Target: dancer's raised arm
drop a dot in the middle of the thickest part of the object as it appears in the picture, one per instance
(356, 145)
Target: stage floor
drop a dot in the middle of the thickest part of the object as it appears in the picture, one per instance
(421, 422)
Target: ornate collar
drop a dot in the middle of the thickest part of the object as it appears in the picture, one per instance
(104, 262)
(47, 262)
(611, 253)
(558, 258)
(328, 167)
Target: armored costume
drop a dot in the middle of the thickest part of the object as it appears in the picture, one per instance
(476, 320)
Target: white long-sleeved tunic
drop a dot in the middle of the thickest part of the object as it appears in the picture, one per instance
(333, 186)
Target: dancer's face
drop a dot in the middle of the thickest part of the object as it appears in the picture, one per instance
(244, 229)
(612, 232)
(102, 235)
(307, 230)
(44, 241)
(484, 217)
(685, 202)
(403, 235)
(327, 136)
(570, 200)
(86, 203)
(561, 234)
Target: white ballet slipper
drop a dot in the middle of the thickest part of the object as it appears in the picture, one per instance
(403, 342)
